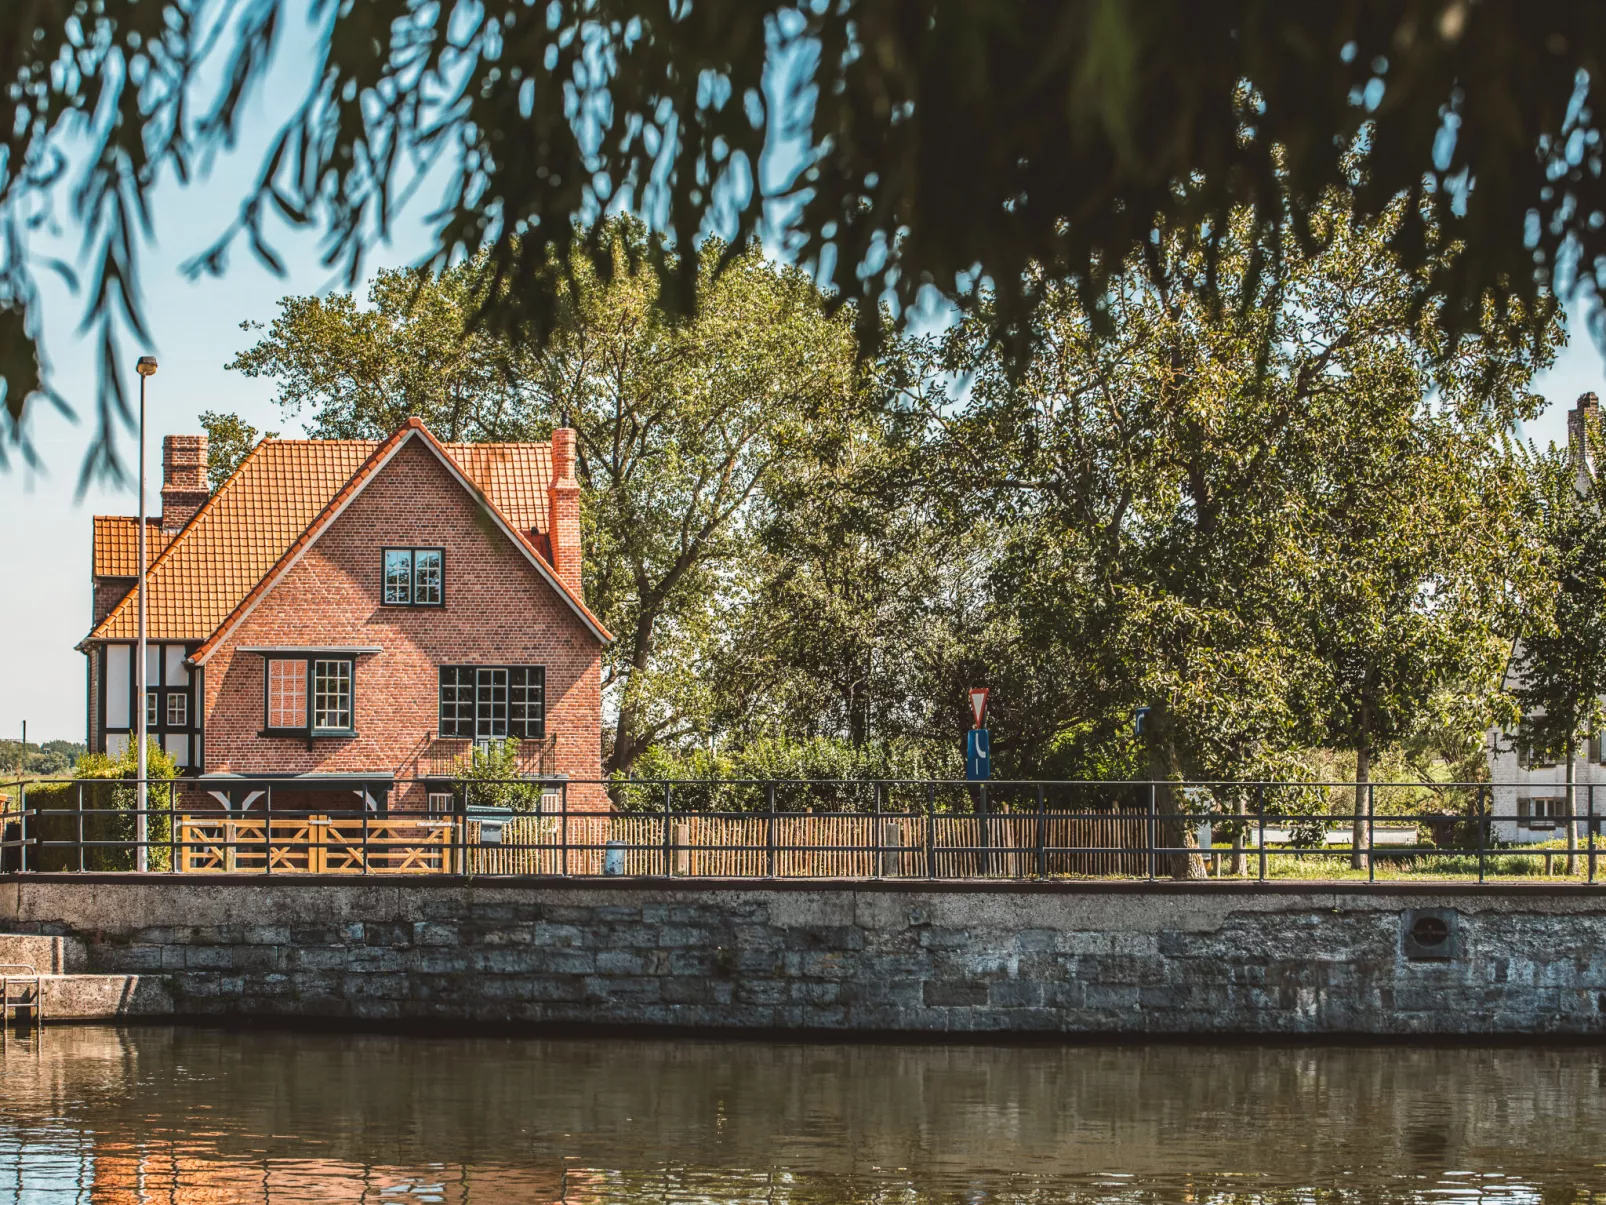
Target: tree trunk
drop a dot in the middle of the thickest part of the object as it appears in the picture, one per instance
(1572, 826)
(627, 742)
(1360, 833)
(1176, 830)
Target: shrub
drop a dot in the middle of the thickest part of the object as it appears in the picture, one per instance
(813, 775)
(103, 790)
(484, 781)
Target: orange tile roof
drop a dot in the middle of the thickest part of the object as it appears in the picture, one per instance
(117, 544)
(256, 516)
(514, 477)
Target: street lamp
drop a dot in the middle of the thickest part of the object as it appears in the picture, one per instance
(145, 367)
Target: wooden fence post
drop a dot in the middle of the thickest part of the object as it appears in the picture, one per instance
(891, 842)
(682, 847)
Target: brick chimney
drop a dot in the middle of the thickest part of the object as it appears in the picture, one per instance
(1585, 416)
(184, 486)
(563, 526)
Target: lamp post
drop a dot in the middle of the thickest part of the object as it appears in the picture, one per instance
(145, 367)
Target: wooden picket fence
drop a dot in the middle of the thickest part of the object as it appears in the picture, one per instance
(818, 846)
(788, 846)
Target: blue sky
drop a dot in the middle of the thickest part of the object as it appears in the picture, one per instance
(195, 329)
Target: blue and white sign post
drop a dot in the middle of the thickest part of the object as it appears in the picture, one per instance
(978, 767)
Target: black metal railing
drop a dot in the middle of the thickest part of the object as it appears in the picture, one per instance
(803, 828)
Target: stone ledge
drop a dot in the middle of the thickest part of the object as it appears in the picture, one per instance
(1048, 959)
(698, 884)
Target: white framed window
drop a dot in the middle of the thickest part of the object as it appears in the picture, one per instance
(440, 803)
(152, 709)
(178, 710)
(331, 696)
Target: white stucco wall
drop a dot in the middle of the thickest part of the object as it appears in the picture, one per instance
(1512, 781)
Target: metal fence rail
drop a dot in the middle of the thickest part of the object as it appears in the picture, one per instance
(812, 828)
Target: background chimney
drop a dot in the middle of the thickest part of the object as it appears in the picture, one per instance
(184, 488)
(563, 529)
(1585, 414)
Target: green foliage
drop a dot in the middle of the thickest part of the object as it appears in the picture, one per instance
(159, 764)
(1089, 752)
(735, 778)
(490, 779)
(108, 799)
(1248, 518)
(1559, 666)
(970, 143)
(229, 439)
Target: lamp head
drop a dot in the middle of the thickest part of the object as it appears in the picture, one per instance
(146, 366)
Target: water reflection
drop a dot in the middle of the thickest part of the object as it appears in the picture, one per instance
(173, 1115)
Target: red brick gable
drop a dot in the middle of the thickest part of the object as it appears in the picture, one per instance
(413, 430)
(499, 610)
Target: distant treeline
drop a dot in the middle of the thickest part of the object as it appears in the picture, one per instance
(34, 759)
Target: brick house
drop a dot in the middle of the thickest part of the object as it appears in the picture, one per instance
(350, 616)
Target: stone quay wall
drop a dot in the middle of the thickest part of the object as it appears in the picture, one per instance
(878, 957)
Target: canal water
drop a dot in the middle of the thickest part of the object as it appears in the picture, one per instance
(100, 1115)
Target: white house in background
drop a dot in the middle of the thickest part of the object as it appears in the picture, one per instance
(1530, 796)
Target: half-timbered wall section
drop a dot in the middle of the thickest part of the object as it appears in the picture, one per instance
(172, 716)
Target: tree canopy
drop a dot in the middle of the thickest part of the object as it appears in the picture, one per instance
(977, 148)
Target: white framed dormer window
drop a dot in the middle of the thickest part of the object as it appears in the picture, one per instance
(414, 577)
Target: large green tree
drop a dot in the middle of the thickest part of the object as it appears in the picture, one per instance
(683, 426)
(1412, 517)
(1174, 495)
(1412, 554)
(901, 144)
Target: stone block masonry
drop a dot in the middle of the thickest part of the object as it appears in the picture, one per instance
(887, 957)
